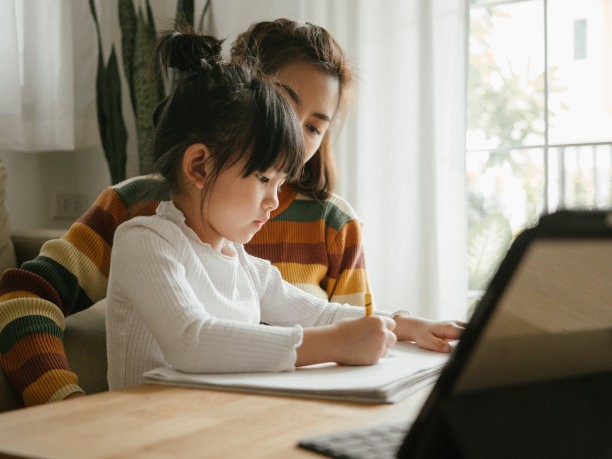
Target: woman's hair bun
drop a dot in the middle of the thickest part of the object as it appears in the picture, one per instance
(187, 51)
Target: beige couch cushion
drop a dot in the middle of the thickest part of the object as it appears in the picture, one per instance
(85, 344)
(7, 253)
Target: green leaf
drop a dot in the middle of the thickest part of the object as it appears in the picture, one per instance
(99, 79)
(113, 134)
(152, 36)
(488, 241)
(127, 22)
(150, 19)
(184, 12)
(200, 28)
(146, 92)
(116, 133)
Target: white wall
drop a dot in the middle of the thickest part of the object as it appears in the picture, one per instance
(33, 179)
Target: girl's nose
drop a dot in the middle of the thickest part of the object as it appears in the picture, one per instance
(271, 201)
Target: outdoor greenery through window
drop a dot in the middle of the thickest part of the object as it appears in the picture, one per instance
(539, 134)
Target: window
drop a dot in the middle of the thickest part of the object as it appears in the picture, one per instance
(539, 134)
(580, 39)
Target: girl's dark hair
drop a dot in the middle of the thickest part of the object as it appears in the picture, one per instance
(271, 44)
(236, 112)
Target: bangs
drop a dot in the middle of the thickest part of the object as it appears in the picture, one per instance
(279, 142)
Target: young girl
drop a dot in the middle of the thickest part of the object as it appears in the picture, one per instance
(182, 291)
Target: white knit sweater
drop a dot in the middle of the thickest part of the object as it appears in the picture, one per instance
(173, 300)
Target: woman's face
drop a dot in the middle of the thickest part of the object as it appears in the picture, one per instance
(314, 95)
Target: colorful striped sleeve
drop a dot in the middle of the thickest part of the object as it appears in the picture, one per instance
(69, 275)
(317, 246)
(347, 278)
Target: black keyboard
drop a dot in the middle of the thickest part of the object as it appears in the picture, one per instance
(381, 441)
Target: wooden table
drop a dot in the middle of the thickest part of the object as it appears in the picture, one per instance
(160, 421)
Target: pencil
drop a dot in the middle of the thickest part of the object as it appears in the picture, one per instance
(368, 304)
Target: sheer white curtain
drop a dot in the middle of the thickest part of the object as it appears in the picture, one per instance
(401, 154)
(47, 75)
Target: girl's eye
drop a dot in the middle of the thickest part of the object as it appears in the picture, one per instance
(262, 178)
(311, 128)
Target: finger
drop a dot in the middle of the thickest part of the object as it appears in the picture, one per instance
(434, 343)
(389, 323)
(448, 331)
(391, 339)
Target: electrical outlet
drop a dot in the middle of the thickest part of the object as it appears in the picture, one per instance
(70, 205)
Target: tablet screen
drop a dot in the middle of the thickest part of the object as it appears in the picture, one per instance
(553, 318)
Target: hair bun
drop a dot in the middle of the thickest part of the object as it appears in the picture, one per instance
(188, 52)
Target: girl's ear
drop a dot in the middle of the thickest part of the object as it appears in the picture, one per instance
(194, 164)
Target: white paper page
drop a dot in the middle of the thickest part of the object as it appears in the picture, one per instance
(406, 363)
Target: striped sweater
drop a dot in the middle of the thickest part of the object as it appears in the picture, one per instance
(315, 245)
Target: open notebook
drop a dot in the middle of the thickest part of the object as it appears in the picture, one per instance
(405, 369)
(531, 376)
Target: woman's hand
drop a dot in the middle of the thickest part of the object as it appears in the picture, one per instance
(348, 342)
(428, 334)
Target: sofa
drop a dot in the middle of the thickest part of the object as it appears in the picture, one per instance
(85, 333)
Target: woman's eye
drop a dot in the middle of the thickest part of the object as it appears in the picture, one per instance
(311, 128)
(262, 178)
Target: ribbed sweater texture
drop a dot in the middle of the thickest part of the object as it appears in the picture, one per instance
(174, 300)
